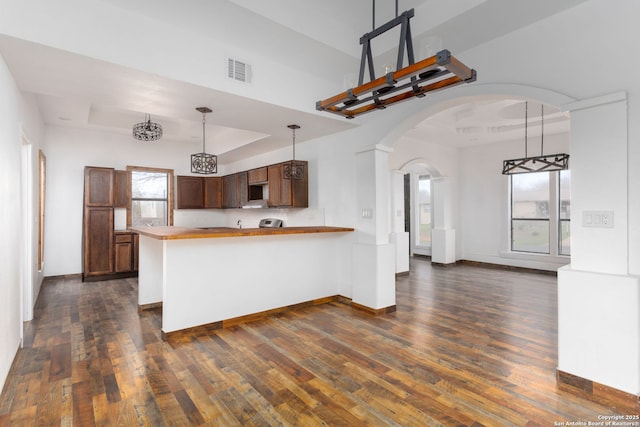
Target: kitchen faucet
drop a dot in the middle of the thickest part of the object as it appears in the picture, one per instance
(239, 223)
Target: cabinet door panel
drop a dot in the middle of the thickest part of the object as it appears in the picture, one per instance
(288, 192)
(300, 188)
(122, 189)
(229, 191)
(212, 192)
(257, 176)
(242, 189)
(275, 177)
(190, 192)
(136, 248)
(123, 261)
(98, 186)
(98, 241)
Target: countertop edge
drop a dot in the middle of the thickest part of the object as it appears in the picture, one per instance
(177, 233)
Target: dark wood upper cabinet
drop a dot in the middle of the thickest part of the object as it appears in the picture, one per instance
(257, 176)
(212, 192)
(98, 186)
(229, 191)
(285, 192)
(242, 189)
(122, 189)
(190, 191)
(197, 192)
(235, 190)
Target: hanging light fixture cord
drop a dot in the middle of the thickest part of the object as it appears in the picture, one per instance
(293, 170)
(526, 119)
(203, 128)
(542, 136)
(293, 157)
(373, 14)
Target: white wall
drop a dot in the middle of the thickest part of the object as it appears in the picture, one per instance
(70, 150)
(10, 328)
(18, 117)
(557, 54)
(484, 203)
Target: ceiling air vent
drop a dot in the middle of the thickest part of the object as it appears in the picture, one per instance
(238, 70)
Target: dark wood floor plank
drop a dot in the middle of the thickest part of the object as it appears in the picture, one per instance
(467, 346)
(83, 404)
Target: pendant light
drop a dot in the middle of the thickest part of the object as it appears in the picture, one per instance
(204, 163)
(415, 80)
(293, 170)
(541, 163)
(147, 130)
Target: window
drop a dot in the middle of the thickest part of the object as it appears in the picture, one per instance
(151, 197)
(423, 218)
(540, 212)
(530, 212)
(564, 239)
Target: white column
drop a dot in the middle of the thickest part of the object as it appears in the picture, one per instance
(373, 254)
(443, 236)
(598, 301)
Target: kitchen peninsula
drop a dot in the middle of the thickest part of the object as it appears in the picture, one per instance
(210, 275)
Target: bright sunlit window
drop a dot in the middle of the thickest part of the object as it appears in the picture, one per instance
(423, 217)
(540, 213)
(151, 200)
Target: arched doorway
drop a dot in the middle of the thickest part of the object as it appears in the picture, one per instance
(492, 115)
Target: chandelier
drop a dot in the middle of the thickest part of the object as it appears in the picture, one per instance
(293, 169)
(147, 130)
(541, 163)
(415, 80)
(204, 163)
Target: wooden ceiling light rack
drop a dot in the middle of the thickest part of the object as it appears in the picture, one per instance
(415, 80)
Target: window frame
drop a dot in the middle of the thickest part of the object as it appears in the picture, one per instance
(554, 221)
(562, 220)
(417, 243)
(170, 184)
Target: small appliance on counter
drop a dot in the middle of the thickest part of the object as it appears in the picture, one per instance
(270, 223)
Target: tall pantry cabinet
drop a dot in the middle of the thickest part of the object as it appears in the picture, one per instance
(104, 189)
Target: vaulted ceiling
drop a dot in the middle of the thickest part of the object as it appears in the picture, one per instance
(75, 90)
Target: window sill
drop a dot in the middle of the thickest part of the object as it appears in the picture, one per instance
(555, 259)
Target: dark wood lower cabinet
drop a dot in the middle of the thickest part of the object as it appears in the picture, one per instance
(123, 253)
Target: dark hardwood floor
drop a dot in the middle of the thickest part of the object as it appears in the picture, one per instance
(467, 346)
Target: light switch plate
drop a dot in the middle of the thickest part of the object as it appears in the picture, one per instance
(597, 219)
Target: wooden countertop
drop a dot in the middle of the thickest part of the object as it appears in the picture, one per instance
(174, 233)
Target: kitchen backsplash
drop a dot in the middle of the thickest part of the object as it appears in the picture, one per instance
(120, 219)
(249, 218)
